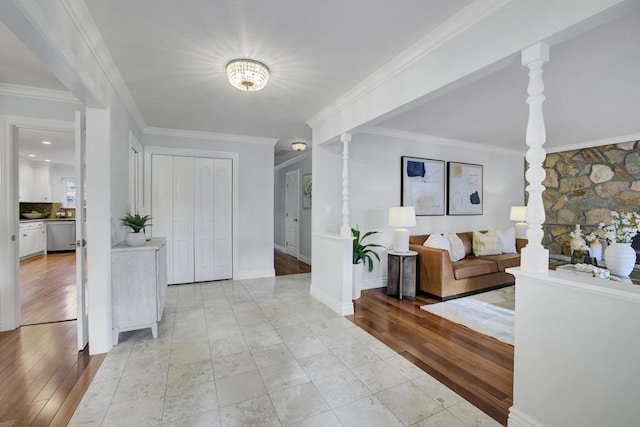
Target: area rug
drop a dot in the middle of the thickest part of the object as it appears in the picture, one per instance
(490, 313)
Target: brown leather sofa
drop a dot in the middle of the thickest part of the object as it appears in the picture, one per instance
(438, 276)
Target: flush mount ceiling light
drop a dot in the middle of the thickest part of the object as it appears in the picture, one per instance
(46, 142)
(299, 145)
(247, 74)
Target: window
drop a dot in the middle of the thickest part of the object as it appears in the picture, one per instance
(69, 192)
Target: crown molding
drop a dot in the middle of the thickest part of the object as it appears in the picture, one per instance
(195, 134)
(86, 26)
(458, 23)
(38, 93)
(292, 160)
(446, 142)
(595, 143)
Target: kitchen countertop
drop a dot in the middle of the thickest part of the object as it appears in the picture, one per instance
(22, 220)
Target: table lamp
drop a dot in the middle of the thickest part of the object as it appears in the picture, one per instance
(401, 217)
(519, 213)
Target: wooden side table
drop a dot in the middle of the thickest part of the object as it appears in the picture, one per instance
(401, 273)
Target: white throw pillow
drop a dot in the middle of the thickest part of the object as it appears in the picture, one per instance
(507, 241)
(436, 241)
(485, 244)
(456, 253)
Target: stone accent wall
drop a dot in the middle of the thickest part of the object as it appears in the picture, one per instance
(583, 186)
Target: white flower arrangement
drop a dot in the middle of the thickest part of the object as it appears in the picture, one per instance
(591, 237)
(622, 228)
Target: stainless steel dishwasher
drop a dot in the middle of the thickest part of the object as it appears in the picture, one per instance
(61, 235)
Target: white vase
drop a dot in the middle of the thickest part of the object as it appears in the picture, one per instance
(596, 250)
(620, 259)
(135, 239)
(357, 280)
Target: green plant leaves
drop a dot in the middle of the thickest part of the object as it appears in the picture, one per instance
(136, 222)
(364, 252)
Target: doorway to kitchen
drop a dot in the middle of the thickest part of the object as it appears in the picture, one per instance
(46, 194)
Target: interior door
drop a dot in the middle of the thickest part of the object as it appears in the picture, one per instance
(292, 205)
(203, 219)
(183, 261)
(223, 218)
(81, 243)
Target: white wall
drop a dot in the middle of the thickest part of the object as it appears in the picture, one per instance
(576, 351)
(374, 186)
(304, 166)
(256, 198)
(42, 109)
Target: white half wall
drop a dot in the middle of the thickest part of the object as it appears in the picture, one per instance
(255, 193)
(576, 351)
(374, 186)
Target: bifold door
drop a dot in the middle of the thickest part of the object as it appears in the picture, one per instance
(192, 207)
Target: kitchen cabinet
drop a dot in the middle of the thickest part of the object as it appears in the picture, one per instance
(139, 286)
(34, 182)
(42, 184)
(25, 181)
(191, 200)
(32, 238)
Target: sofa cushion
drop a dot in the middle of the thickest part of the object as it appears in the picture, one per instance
(456, 247)
(437, 241)
(507, 241)
(472, 267)
(504, 261)
(467, 239)
(485, 244)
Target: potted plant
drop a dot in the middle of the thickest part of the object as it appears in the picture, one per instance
(137, 224)
(362, 254)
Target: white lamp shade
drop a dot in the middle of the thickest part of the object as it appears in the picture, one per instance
(402, 216)
(518, 213)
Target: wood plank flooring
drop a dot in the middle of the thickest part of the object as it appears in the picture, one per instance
(477, 367)
(43, 377)
(48, 288)
(286, 264)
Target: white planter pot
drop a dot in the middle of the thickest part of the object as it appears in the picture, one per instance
(596, 250)
(620, 259)
(356, 280)
(135, 239)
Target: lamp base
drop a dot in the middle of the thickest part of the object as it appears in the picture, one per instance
(521, 230)
(401, 240)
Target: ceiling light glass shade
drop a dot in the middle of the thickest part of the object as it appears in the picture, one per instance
(247, 74)
(299, 146)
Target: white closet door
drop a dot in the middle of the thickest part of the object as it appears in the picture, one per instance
(183, 200)
(162, 204)
(223, 218)
(203, 219)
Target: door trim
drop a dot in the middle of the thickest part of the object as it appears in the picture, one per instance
(150, 150)
(9, 215)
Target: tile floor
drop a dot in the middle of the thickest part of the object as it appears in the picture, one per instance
(263, 353)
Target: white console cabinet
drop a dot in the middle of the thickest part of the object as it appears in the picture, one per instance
(139, 286)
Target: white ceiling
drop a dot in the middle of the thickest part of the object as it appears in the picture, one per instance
(61, 150)
(172, 57)
(592, 92)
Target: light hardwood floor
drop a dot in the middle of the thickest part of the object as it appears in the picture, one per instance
(48, 288)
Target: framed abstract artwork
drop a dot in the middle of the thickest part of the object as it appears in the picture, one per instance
(306, 191)
(423, 185)
(465, 189)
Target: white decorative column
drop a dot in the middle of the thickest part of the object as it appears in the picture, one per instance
(345, 229)
(535, 257)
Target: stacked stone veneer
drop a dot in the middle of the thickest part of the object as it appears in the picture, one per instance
(584, 186)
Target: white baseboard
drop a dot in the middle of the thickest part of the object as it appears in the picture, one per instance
(305, 259)
(380, 282)
(331, 302)
(257, 274)
(280, 248)
(518, 418)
